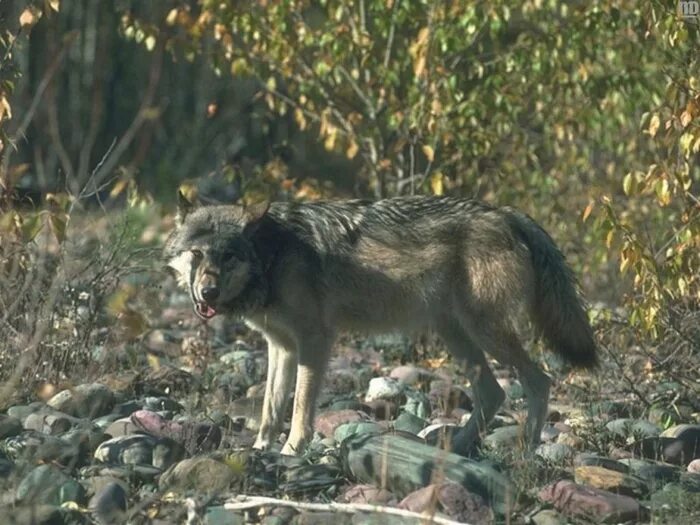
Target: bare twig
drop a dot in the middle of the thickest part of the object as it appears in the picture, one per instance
(392, 30)
(243, 502)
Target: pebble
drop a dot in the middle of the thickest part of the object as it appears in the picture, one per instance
(417, 403)
(383, 388)
(555, 452)
(121, 427)
(22, 411)
(679, 450)
(548, 517)
(50, 422)
(593, 460)
(47, 484)
(203, 474)
(219, 515)
(35, 447)
(407, 422)
(410, 374)
(140, 449)
(504, 437)
(694, 466)
(633, 428)
(89, 401)
(109, 504)
(9, 426)
(358, 428)
(654, 473)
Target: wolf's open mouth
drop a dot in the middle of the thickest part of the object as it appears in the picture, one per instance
(204, 310)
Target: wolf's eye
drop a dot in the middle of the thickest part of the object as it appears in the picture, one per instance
(229, 255)
(197, 253)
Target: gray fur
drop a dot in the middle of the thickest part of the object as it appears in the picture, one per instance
(300, 273)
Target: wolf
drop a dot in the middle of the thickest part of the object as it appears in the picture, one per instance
(300, 273)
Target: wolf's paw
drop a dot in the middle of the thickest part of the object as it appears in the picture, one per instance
(261, 443)
(291, 450)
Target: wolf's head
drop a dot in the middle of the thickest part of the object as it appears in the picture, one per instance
(212, 255)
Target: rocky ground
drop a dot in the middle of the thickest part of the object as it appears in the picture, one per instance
(158, 429)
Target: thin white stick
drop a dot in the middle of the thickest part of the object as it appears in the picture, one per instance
(243, 502)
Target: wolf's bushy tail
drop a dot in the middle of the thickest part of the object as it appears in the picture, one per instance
(558, 313)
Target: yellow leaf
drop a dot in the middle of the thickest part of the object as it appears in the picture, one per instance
(419, 65)
(609, 238)
(172, 17)
(300, 119)
(686, 117)
(423, 35)
(628, 183)
(352, 149)
(654, 125)
(331, 135)
(428, 152)
(662, 192)
(5, 108)
(29, 17)
(150, 42)
(55, 4)
(119, 187)
(189, 190)
(153, 361)
(624, 264)
(587, 211)
(239, 66)
(436, 183)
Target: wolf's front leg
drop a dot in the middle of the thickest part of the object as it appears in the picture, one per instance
(281, 364)
(312, 365)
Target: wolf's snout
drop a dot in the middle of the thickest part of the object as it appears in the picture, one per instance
(210, 293)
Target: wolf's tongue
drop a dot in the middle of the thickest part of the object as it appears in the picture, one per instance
(206, 310)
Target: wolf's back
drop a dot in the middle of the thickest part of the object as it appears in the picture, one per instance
(558, 313)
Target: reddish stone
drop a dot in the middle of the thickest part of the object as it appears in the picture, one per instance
(366, 494)
(451, 499)
(596, 504)
(327, 422)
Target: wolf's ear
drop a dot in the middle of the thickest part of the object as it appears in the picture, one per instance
(184, 208)
(255, 212)
(253, 216)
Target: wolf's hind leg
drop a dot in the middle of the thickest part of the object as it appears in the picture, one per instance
(535, 386)
(281, 364)
(488, 394)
